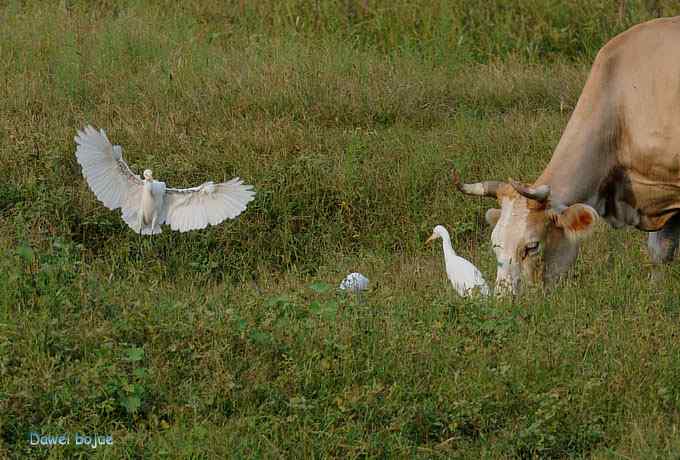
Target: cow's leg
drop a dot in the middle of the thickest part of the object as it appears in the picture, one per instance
(663, 244)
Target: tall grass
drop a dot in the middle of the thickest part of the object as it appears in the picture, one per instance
(348, 118)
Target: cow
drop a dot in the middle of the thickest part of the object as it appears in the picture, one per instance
(618, 159)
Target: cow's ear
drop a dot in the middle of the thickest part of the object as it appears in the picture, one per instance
(492, 216)
(577, 221)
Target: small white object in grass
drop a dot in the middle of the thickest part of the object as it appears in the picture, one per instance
(354, 282)
(464, 276)
(146, 203)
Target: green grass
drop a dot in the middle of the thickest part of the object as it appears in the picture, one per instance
(347, 116)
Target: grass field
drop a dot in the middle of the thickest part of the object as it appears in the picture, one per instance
(347, 117)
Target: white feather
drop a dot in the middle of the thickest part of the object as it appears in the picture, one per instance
(354, 282)
(207, 204)
(111, 180)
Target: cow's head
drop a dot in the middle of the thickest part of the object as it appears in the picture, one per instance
(534, 239)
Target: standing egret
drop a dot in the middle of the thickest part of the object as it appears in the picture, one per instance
(464, 276)
(146, 203)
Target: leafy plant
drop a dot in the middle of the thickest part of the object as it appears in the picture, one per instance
(131, 389)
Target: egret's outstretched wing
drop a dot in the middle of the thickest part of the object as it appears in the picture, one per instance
(106, 172)
(208, 204)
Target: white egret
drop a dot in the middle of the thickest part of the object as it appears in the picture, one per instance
(464, 276)
(354, 282)
(146, 203)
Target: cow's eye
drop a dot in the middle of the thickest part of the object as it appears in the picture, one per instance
(531, 248)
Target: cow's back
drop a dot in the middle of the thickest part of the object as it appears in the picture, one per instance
(640, 72)
(622, 142)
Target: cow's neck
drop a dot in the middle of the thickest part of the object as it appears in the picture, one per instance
(584, 169)
(587, 149)
(576, 167)
(587, 153)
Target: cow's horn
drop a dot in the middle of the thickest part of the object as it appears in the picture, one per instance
(486, 188)
(540, 193)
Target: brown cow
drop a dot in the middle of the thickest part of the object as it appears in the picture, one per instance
(619, 158)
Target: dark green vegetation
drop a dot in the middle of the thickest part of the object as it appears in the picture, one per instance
(348, 117)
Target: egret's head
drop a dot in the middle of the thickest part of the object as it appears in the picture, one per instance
(438, 232)
(148, 175)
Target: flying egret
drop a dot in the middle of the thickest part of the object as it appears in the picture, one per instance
(146, 203)
(464, 276)
(354, 282)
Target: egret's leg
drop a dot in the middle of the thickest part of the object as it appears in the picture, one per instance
(140, 222)
(139, 253)
(158, 219)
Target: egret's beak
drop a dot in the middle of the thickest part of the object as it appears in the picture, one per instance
(431, 239)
